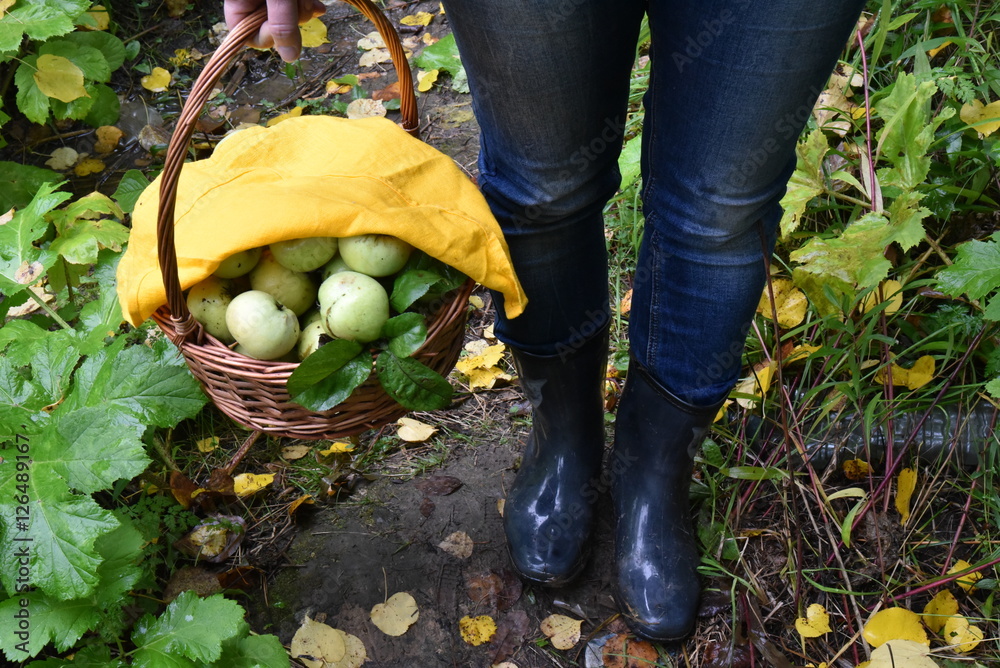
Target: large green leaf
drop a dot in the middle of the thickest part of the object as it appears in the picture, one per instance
(60, 623)
(151, 384)
(133, 183)
(21, 262)
(442, 55)
(406, 333)
(19, 184)
(105, 109)
(976, 270)
(337, 386)
(321, 364)
(110, 46)
(32, 102)
(413, 384)
(35, 20)
(190, 627)
(807, 182)
(253, 652)
(49, 359)
(21, 401)
(81, 237)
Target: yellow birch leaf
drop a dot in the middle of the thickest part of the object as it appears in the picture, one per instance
(921, 373)
(336, 448)
(246, 484)
(986, 118)
(5, 5)
(372, 40)
(99, 13)
(477, 630)
(365, 108)
(856, 469)
(88, 166)
(756, 384)
(334, 88)
(899, 653)
(815, 623)
(906, 482)
(418, 19)
(429, 39)
(625, 307)
(294, 113)
(313, 33)
(206, 445)
(486, 378)
(441, 8)
(62, 158)
(294, 505)
(354, 652)
(959, 633)
(894, 624)
(790, 302)
(316, 644)
(58, 77)
(859, 112)
(476, 301)
(108, 137)
(374, 57)
(293, 452)
(800, 352)
(157, 81)
(397, 615)
(414, 431)
(892, 292)
(968, 581)
(563, 631)
(425, 80)
(722, 410)
(939, 609)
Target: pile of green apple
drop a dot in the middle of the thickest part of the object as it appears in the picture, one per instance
(284, 301)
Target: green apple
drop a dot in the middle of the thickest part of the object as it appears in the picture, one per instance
(294, 289)
(312, 337)
(354, 306)
(239, 264)
(208, 302)
(263, 327)
(305, 254)
(333, 266)
(375, 254)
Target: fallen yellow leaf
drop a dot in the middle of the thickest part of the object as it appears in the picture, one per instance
(939, 609)
(425, 80)
(316, 644)
(58, 77)
(293, 113)
(5, 5)
(374, 57)
(938, 49)
(563, 631)
(294, 505)
(958, 632)
(206, 445)
(480, 368)
(891, 291)
(477, 630)
(108, 137)
(313, 33)
(156, 81)
(856, 469)
(429, 39)
(476, 301)
(246, 484)
(906, 482)
(968, 581)
(800, 352)
(62, 158)
(418, 19)
(921, 373)
(815, 623)
(88, 166)
(334, 88)
(414, 431)
(365, 108)
(397, 615)
(336, 448)
(986, 117)
(722, 410)
(900, 653)
(790, 302)
(894, 624)
(756, 384)
(99, 14)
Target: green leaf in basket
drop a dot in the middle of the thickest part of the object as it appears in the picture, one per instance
(336, 387)
(321, 364)
(414, 385)
(410, 286)
(406, 333)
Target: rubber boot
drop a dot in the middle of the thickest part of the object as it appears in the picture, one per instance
(656, 554)
(549, 510)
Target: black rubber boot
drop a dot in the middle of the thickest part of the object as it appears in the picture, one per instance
(549, 509)
(656, 554)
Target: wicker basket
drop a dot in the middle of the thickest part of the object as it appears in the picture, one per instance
(253, 392)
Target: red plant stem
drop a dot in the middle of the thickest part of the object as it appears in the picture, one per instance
(946, 580)
(958, 531)
(868, 124)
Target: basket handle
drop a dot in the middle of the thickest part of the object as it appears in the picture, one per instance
(196, 100)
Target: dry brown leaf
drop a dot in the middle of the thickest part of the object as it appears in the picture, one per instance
(457, 544)
(438, 485)
(624, 651)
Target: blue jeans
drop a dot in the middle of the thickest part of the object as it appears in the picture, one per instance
(732, 84)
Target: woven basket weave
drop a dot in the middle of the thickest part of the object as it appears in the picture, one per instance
(253, 392)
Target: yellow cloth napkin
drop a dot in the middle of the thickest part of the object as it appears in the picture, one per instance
(316, 176)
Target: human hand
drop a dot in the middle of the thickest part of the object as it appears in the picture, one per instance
(281, 29)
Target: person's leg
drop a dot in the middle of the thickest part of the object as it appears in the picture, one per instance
(550, 84)
(732, 85)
